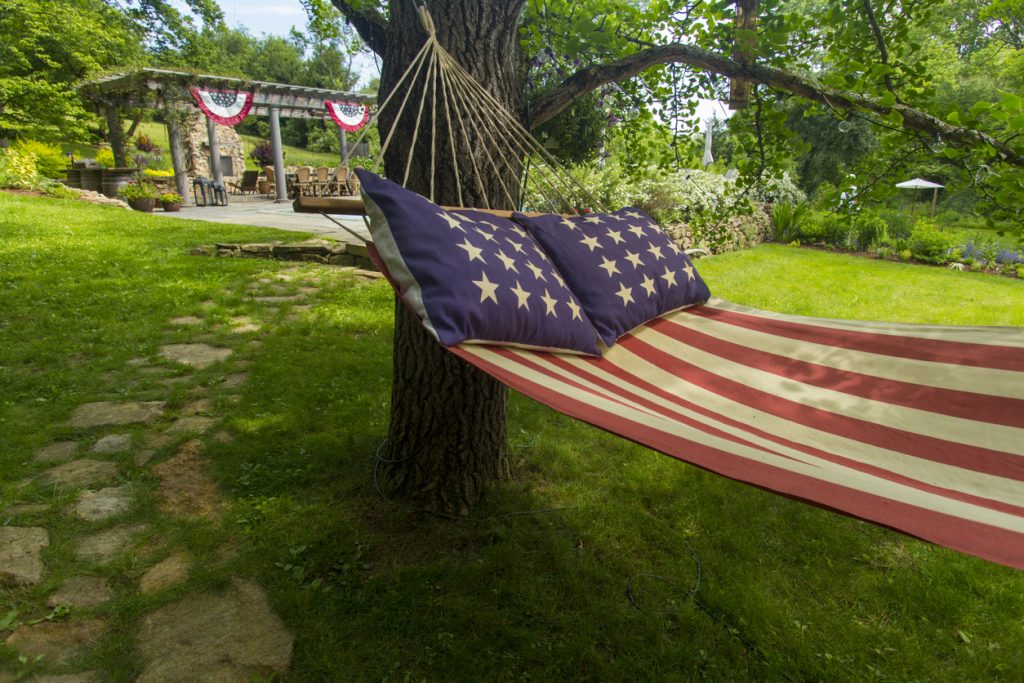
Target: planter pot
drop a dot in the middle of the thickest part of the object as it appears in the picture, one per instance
(171, 206)
(263, 186)
(143, 204)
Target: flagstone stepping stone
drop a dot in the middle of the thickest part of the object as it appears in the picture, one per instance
(186, 320)
(195, 355)
(223, 437)
(26, 508)
(208, 304)
(233, 636)
(105, 413)
(187, 488)
(83, 472)
(159, 440)
(199, 406)
(21, 562)
(142, 457)
(235, 380)
(278, 299)
(172, 381)
(84, 677)
(95, 506)
(169, 572)
(56, 452)
(137, 361)
(81, 591)
(192, 424)
(57, 642)
(309, 290)
(100, 548)
(113, 443)
(246, 328)
(152, 371)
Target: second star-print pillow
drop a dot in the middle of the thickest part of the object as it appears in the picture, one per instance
(623, 268)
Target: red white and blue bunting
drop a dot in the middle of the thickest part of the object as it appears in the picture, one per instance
(349, 115)
(226, 107)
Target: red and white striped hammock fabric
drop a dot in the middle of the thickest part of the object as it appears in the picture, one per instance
(915, 427)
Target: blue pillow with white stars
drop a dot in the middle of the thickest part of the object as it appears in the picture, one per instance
(471, 276)
(622, 266)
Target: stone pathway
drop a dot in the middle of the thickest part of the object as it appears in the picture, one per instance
(125, 452)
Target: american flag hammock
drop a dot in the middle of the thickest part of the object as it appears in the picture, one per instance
(913, 427)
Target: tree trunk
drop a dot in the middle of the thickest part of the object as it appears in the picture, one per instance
(448, 434)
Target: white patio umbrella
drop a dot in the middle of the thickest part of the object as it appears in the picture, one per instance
(922, 184)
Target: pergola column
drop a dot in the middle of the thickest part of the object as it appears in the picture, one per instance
(215, 169)
(343, 146)
(275, 142)
(173, 122)
(115, 135)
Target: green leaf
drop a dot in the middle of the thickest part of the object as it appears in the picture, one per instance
(1011, 101)
(887, 99)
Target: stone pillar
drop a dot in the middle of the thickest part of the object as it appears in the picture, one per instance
(173, 122)
(275, 141)
(211, 131)
(115, 135)
(343, 146)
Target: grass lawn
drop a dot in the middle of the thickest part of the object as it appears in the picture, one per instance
(373, 592)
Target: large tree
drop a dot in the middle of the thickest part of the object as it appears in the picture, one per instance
(447, 440)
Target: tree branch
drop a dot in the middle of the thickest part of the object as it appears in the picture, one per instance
(593, 77)
(370, 23)
(879, 41)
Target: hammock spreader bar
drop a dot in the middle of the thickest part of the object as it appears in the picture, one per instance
(916, 428)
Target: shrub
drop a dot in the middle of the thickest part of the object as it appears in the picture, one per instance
(869, 229)
(105, 157)
(141, 190)
(684, 197)
(158, 173)
(322, 139)
(58, 191)
(812, 228)
(18, 169)
(170, 198)
(263, 153)
(839, 232)
(928, 243)
(50, 161)
(898, 224)
(145, 144)
(778, 190)
(786, 219)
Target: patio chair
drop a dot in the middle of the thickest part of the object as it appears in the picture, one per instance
(323, 179)
(303, 184)
(246, 184)
(268, 171)
(344, 183)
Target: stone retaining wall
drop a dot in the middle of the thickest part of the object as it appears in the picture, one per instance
(312, 251)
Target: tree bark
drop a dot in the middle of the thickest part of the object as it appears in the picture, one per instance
(448, 436)
(115, 135)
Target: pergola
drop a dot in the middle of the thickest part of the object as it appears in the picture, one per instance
(171, 92)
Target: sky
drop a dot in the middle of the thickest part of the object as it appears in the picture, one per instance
(275, 18)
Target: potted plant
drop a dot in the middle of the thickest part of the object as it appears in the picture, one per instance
(140, 196)
(170, 201)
